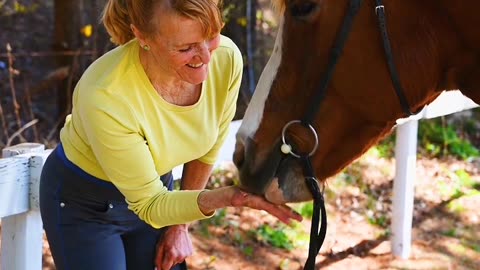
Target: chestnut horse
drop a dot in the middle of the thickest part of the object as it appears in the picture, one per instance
(435, 46)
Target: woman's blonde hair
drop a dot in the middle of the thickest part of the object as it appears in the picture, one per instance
(119, 14)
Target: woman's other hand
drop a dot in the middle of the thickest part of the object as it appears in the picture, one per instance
(173, 247)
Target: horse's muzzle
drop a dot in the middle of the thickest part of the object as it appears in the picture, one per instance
(273, 174)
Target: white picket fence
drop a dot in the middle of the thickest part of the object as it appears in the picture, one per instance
(21, 238)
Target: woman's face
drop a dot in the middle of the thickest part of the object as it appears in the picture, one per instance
(180, 49)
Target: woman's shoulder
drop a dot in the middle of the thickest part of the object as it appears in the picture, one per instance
(229, 47)
(109, 77)
(227, 56)
(227, 64)
(112, 65)
(227, 42)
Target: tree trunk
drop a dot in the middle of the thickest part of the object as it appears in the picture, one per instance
(66, 39)
(76, 48)
(240, 27)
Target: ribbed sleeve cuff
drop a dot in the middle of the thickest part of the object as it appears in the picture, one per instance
(178, 207)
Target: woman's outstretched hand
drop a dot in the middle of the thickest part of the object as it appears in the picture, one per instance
(282, 212)
(210, 200)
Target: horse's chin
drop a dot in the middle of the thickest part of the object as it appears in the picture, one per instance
(288, 185)
(274, 193)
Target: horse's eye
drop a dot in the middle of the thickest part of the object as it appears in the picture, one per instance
(303, 9)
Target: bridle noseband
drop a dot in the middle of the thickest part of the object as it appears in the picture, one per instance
(318, 233)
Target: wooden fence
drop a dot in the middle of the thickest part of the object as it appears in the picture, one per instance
(21, 165)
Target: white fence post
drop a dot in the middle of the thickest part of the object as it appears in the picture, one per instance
(405, 154)
(22, 230)
(403, 188)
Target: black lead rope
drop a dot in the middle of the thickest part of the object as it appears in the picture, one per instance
(319, 214)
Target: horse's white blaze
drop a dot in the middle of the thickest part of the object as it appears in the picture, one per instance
(254, 112)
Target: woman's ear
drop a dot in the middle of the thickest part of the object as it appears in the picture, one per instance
(138, 34)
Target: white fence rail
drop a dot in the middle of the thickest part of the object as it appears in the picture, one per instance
(21, 242)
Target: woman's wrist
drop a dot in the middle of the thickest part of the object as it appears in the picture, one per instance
(211, 200)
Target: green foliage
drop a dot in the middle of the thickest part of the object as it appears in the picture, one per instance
(248, 251)
(455, 206)
(227, 12)
(450, 232)
(352, 175)
(463, 184)
(24, 9)
(17, 8)
(386, 147)
(440, 139)
(379, 220)
(218, 220)
(464, 179)
(275, 237)
(436, 138)
(305, 209)
(474, 246)
(466, 242)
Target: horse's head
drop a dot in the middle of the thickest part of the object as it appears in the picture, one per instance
(360, 105)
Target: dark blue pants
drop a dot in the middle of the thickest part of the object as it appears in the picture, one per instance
(88, 224)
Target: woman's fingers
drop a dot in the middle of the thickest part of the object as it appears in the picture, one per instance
(282, 212)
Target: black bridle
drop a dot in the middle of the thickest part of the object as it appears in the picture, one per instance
(318, 228)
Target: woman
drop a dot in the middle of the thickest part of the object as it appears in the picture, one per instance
(164, 97)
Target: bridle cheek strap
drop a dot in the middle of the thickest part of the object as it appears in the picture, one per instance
(318, 228)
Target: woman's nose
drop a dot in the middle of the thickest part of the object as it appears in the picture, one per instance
(205, 52)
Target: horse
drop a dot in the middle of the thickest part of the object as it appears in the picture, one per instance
(395, 58)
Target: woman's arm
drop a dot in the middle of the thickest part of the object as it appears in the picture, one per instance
(195, 175)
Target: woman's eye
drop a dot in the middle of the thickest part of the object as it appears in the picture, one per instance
(185, 49)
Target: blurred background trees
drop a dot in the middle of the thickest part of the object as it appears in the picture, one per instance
(53, 41)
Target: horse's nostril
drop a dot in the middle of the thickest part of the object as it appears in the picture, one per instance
(239, 154)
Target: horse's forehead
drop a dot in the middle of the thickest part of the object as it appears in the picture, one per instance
(253, 115)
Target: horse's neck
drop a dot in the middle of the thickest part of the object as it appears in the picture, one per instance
(464, 17)
(440, 46)
(464, 69)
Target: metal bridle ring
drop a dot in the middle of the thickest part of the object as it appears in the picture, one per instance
(284, 141)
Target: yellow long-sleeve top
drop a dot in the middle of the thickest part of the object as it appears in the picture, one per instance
(121, 130)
